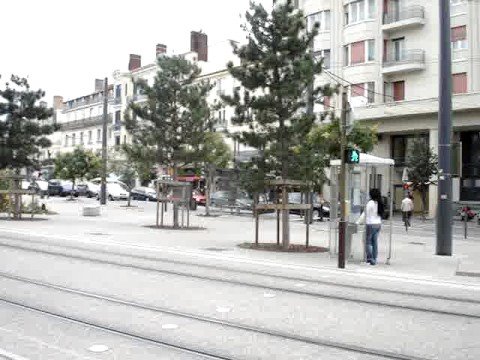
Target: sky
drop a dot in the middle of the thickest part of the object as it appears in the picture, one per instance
(62, 46)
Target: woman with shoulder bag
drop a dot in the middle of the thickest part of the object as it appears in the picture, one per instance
(372, 217)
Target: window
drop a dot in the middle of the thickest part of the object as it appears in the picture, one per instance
(371, 92)
(66, 140)
(117, 140)
(399, 90)
(326, 102)
(357, 90)
(81, 138)
(371, 9)
(99, 135)
(359, 10)
(365, 90)
(399, 49)
(459, 83)
(118, 91)
(117, 117)
(325, 55)
(459, 37)
(321, 18)
(73, 139)
(124, 139)
(90, 136)
(402, 147)
(371, 50)
(357, 52)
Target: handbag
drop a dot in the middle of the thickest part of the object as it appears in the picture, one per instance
(361, 219)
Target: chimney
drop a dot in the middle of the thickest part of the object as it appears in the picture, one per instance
(199, 44)
(135, 62)
(98, 85)
(58, 102)
(161, 49)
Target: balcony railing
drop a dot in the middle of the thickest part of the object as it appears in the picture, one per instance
(83, 123)
(85, 102)
(410, 12)
(404, 57)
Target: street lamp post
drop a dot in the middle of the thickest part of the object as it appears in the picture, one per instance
(103, 188)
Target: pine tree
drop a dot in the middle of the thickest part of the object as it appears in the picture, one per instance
(173, 121)
(277, 71)
(23, 125)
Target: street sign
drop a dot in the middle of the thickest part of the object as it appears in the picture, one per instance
(352, 156)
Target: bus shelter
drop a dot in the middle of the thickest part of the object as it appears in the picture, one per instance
(371, 172)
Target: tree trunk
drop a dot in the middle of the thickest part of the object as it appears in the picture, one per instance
(424, 202)
(285, 212)
(208, 189)
(129, 200)
(71, 191)
(175, 204)
(17, 203)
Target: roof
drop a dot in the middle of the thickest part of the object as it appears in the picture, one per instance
(367, 159)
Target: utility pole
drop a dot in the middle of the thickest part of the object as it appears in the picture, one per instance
(342, 181)
(444, 209)
(103, 189)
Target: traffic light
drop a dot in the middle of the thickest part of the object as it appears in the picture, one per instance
(352, 156)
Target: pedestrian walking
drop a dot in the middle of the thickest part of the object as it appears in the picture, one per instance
(407, 210)
(373, 220)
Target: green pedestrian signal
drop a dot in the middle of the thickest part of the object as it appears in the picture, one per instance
(352, 156)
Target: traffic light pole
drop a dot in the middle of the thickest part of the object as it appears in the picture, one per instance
(103, 188)
(342, 181)
(444, 213)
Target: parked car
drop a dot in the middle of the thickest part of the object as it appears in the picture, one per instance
(223, 199)
(320, 210)
(143, 193)
(54, 187)
(115, 191)
(199, 198)
(39, 186)
(88, 189)
(68, 189)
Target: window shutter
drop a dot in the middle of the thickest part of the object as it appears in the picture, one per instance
(358, 52)
(459, 33)
(399, 90)
(459, 83)
(357, 90)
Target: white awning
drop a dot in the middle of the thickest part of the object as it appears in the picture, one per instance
(367, 159)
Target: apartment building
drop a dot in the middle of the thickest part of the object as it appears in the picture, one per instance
(81, 119)
(386, 52)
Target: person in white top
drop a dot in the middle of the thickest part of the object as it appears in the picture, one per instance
(373, 220)
(407, 209)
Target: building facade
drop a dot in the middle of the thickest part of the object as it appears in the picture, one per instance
(81, 119)
(386, 52)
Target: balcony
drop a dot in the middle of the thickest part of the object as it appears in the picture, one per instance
(404, 61)
(139, 97)
(407, 17)
(117, 127)
(84, 123)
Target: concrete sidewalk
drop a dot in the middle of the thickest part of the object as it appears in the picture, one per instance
(412, 255)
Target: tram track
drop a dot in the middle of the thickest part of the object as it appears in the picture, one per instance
(409, 299)
(185, 315)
